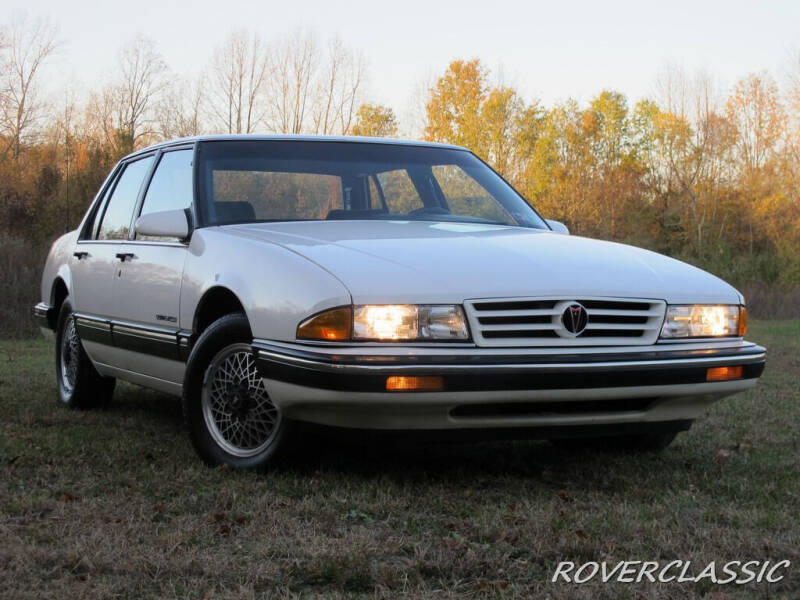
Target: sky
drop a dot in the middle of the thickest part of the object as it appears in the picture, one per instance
(548, 50)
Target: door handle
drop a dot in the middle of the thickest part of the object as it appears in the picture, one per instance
(123, 255)
(80, 255)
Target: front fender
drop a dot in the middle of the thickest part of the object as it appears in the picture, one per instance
(278, 288)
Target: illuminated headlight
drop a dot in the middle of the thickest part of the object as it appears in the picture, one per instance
(387, 323)
(409, 322)
(701, 320)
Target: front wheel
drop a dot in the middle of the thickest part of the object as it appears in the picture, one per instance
(230, 416)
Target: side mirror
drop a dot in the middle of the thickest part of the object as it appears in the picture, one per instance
(558, 227)
(167, 223)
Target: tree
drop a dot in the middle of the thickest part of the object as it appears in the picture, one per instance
(755, 109)
(375, 120)
(239, 74)
(124, 109)
(453, 110)
(500, 116)
(312, 91)
(294, 61)
(26, 45)
(179, 112)
(339, 85)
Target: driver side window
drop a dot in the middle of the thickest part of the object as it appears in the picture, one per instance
(170, 188)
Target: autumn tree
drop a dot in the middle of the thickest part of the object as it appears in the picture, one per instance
(500, 116)
(375, 120)
(755, 109)
(453, 109)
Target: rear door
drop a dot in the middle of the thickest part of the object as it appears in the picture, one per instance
(95, 262)
(147, 289)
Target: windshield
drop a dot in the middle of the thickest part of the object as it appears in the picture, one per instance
(248, 181)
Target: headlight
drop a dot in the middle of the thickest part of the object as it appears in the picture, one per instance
(701, 320)
(388, 322)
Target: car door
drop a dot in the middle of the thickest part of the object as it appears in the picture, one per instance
(95, 260)
(148, 284)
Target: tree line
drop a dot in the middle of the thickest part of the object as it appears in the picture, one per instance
(707, 175)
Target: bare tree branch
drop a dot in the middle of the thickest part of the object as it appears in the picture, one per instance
(24, 47)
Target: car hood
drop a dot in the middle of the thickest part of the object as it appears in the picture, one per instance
(423, 261)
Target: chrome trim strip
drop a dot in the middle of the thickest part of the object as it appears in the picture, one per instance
(332, 367)
(93, 329)
(92, 322)
(157, 341)
(145, 333)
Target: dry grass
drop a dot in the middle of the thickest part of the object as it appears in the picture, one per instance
(115, 504)
(21, 265)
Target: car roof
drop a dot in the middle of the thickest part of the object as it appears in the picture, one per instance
(292, 138)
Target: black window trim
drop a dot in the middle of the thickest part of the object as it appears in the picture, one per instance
(98, 205)
(137, 209)
(123, 164)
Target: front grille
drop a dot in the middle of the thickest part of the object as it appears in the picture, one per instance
(539, 321)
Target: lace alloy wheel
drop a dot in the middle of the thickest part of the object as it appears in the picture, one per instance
(236, 408)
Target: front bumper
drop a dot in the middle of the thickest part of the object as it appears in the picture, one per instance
(497, 389)
(44, 315)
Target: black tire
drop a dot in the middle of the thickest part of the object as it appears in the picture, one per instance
(630, 444)
(215, 402)
(79, 384)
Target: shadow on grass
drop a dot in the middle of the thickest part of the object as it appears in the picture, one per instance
(365, 455)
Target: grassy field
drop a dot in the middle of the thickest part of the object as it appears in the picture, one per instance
(115, 503)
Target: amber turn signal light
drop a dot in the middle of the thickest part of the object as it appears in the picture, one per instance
(742, 320)
(724, 373)
(331, 325)
(414, 384)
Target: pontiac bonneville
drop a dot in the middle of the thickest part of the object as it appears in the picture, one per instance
(375, 284)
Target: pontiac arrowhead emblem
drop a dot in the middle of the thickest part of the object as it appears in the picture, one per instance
(575, 318)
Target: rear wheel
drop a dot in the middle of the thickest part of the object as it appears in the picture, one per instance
(79, 383)
(230, 416)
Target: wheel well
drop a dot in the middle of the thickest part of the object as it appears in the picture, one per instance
(58, 295)
(217, 302)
